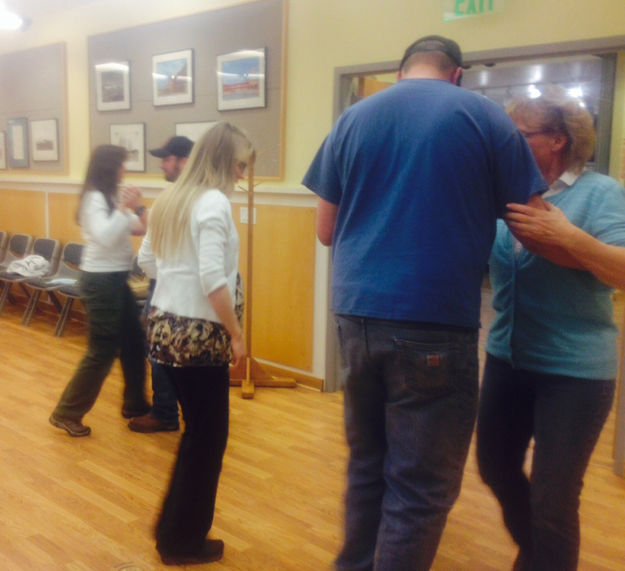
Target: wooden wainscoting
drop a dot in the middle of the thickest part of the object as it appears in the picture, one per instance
(284, 282)
(23, 212)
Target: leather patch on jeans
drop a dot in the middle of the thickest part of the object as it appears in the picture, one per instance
(426, 369)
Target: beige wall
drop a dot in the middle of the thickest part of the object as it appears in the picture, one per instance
(323, 34)
(290, 295)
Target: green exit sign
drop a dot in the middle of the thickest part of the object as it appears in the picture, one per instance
(454, 9)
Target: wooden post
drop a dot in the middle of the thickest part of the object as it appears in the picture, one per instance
(250, 373)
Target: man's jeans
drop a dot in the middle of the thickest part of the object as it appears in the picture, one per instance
(164, 398)
(410, 406)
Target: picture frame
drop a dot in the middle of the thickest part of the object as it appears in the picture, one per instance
(44, 140)
(3, 151)
(241, 80)
(172, 78)
(112, 82)
(18, 142)
(131, 136)
(194, 130)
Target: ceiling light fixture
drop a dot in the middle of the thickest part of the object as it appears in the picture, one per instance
(10, 21)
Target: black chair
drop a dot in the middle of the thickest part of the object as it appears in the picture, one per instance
(18, 247)
(47, 248)
(66, 277)
(4, 242)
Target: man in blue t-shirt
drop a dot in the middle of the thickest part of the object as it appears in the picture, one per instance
(410, 184)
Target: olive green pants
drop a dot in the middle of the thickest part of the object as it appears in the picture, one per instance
(114, 330)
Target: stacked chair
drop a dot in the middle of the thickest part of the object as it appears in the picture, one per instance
(19, 248)
(64, 282)
(16, 248)
(4, 240)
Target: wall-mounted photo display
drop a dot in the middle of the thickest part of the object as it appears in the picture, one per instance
(131, 136)
(3, 151)
(44, 140)
(112, 81)
(241, 80)
(172, 78)
(194, 130)
(18, 143)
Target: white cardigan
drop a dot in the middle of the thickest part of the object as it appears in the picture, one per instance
(106, 234)
(207, 262)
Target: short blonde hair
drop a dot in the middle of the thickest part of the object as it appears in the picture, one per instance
(211, 165)
(556, 112)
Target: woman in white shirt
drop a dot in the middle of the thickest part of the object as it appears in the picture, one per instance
(192, 248)
(108, 217)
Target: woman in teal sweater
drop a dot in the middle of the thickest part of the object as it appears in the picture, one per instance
(551, 357)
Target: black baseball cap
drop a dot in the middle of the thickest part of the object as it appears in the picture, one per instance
(434, 44)
(178, 146)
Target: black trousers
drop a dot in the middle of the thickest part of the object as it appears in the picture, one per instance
(564, 416)
(189, 505)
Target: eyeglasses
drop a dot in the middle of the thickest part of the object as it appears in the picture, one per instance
(530, 134)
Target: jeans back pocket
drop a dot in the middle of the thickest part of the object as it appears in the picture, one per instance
(424, 369)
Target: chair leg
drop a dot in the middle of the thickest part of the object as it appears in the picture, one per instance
(33, 300)
(4, 294)
(62, 321)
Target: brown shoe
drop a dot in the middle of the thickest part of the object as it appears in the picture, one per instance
(73, 427)
(212, 550)
(147, 423)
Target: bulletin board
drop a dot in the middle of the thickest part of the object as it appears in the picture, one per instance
(33, 98)
(128, 98)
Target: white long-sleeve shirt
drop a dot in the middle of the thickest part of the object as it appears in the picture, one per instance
(207, 262)
(106, 234)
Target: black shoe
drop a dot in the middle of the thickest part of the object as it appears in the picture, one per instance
(73, 427)
(147, 423)
(128, 412)
(212, 550)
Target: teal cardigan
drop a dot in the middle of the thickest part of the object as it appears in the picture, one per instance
(549, 318)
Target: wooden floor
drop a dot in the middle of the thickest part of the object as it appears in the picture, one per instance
(90, 503)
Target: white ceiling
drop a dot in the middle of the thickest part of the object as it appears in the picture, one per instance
(36, 9)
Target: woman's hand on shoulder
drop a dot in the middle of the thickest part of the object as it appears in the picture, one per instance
(543, 223)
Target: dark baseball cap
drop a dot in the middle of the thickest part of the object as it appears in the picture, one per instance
(434, 44)
(178, 146)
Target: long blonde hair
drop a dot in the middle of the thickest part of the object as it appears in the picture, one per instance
(211, 165)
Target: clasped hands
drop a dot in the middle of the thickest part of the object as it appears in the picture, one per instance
(130, 197)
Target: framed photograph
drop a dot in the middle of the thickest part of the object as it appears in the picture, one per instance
(18, 143)
(172, 78)
(131, 136)
(112, 85)
(44, 140)
(241, 80)
(194, 130)
(3, 150)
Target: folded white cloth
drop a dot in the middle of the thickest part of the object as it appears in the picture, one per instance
(31, 266)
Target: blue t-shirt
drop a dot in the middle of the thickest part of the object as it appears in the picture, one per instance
(553, 319)
(419, 172)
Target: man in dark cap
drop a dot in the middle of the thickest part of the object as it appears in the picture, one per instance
(410, 182)
(164, 414)
(173, 154)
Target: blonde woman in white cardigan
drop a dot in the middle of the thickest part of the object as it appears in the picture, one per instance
(192, 248)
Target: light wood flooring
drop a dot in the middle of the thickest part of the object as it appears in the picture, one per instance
(90, 503)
